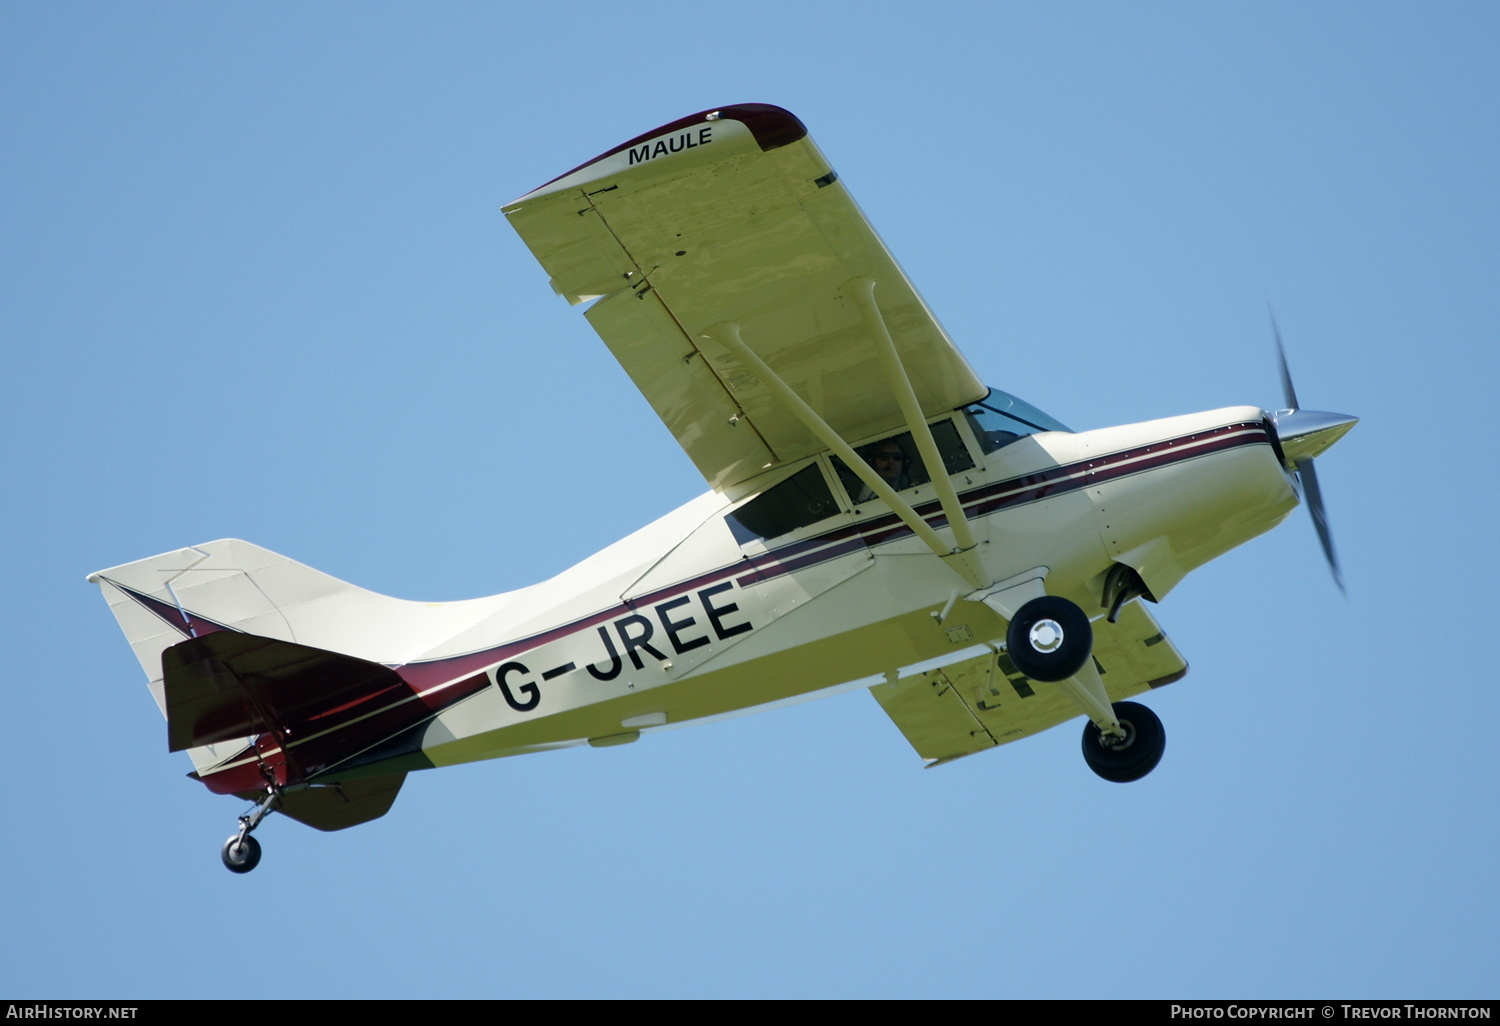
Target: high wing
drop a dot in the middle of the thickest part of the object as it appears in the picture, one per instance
(984, 701)
(733, 216)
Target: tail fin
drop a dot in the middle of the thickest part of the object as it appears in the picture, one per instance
(232, 585)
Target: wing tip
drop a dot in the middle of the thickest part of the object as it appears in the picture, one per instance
(771, 126)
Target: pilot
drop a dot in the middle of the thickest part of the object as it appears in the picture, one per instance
(889, 461)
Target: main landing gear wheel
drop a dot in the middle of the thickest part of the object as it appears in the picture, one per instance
(1132, 757)
(1049, 638)
(241, 854)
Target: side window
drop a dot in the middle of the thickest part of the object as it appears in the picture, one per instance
(800, 500)
(951, 447)
(896, 460)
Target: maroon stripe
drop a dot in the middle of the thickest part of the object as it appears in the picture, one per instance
(353, 707)
(1175, 454)
(451, 694)
(786, 566)
(318, 754)
(334, 743)
(1046, 484)
(423, 675)
(1044, 478)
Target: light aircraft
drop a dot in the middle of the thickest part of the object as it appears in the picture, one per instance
(876, 514)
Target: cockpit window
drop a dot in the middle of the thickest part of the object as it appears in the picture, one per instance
(800, 500)
(1000, 418)
(897, 461)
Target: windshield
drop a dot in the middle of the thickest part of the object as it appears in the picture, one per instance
(1000, 418)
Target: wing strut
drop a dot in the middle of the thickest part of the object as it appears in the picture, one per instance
(727, 334)
(863, 291)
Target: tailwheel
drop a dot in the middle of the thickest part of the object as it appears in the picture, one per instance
(1127, 758)
(241, 853)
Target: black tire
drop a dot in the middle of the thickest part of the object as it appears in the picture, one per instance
(1068, 655)
(240, 856)
(1145, 741)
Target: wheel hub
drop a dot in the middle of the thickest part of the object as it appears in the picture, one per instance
(1119, 742)
(1046, 635)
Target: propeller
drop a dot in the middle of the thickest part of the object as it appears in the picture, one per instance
(1304, 434)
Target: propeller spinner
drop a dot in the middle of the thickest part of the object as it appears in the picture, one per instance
(1304, 434)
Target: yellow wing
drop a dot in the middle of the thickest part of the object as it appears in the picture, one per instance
(734, 216)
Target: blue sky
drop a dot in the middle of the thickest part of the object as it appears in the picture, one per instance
(256, 283)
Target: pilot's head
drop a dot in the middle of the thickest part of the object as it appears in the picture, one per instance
(889, 460)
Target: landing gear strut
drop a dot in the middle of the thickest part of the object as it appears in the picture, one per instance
(241, 853)
(1050, 639)
(1123, 759)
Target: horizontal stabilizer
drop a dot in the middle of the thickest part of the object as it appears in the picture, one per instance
(227, 685)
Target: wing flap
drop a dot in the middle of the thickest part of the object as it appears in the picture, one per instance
(931, 713)
(685, 392)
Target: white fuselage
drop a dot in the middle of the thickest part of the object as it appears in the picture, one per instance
(682, 621)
